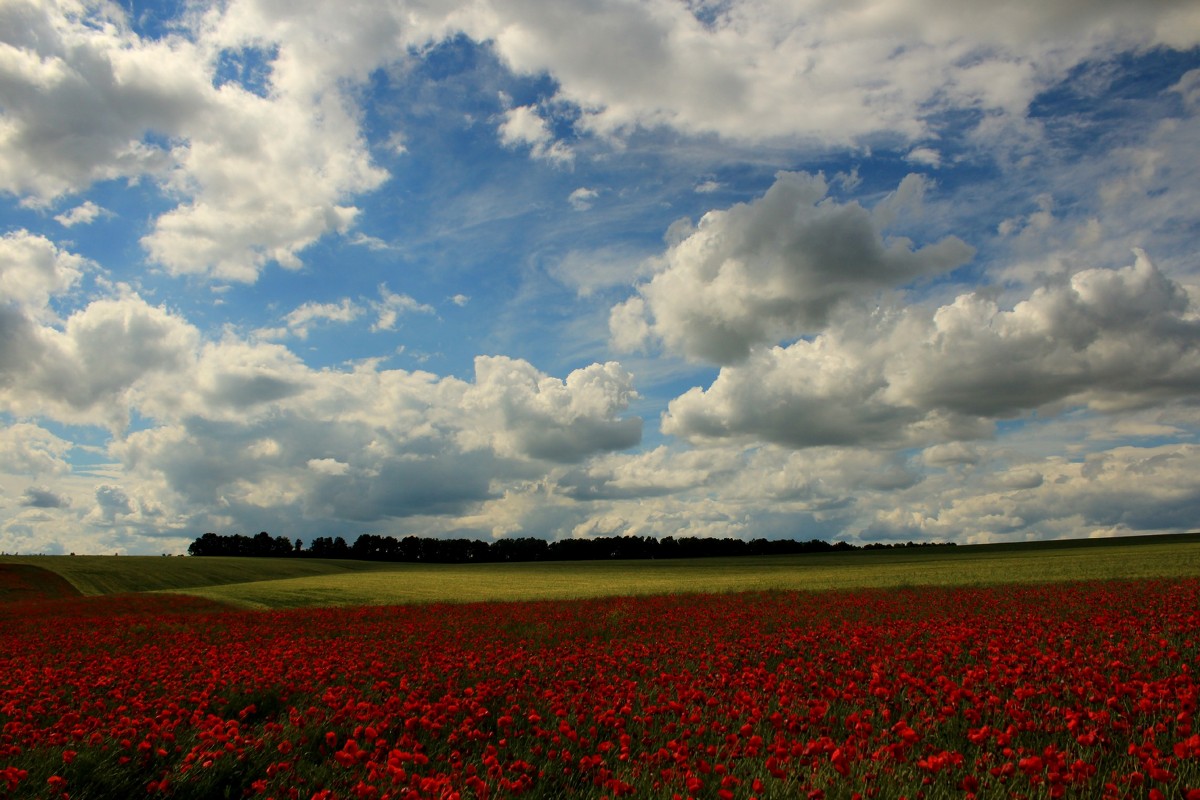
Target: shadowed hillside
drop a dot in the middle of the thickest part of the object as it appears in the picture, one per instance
(25, 582)
(93, 575)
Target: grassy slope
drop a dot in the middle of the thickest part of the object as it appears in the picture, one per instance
(280, 583)
(24, 582)
(408, 583)
(117, 574)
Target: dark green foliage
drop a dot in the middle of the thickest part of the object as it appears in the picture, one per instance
(415, 549)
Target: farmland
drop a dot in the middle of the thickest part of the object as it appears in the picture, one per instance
(1046, 688)
(289, 583)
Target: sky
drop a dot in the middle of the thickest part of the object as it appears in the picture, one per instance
(865, 270)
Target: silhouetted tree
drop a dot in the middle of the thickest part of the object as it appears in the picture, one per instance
(375, 547)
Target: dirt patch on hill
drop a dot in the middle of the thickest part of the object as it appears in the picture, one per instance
(24, 582)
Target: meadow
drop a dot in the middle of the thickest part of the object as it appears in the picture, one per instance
(294, 583)
(1045, 672)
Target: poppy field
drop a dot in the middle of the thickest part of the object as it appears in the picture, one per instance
(1083, 690)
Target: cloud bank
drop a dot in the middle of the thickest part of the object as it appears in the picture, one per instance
(239, 241)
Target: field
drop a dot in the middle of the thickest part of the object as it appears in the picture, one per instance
(291, 583)
(721, 681)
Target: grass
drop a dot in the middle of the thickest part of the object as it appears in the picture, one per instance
(93, 575)
(289, 583)
(415, 583)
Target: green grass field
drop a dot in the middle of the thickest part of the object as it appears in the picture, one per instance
(288, 583)
(93, 575)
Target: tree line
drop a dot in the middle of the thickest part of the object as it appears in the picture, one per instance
(373, 547)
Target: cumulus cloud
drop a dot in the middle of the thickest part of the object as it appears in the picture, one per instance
(1119, 491)
(581, 199)
(258, 177)
(773, 269)
(33, 269)
(532, 415)
(391, 305)
(766, 70)
(232, 426)
(260, 163)
(80, 92)
(950, 454)
(328, 466)
(255, 196)
(981, 492)
(303, 317)
(661, 471)
(628, 328)
(85, 371)
(590, 271)
(523, 126)
(32, 450)
(84, 214)
(1188, 89)
(796, 396)
(763, 491)
(245, 117)
(112, 502)
(1106, 339)
(43, 497)
(369, 445)
(926, 156)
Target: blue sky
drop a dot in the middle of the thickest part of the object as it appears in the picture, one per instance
(872, 271)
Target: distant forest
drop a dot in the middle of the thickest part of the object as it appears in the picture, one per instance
(370, 547)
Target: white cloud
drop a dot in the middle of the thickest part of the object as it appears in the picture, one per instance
(774, 269)
(259, 173)
(660, 471)
(303, 317)
(979, 492)
(32, 450)
(264, 180)
(628, 329)
(33, 269)
(525, 413)
(43, 497)
(808, 70)
(843, 406)
(364, 447)
(80, 92)
(369, 242)
(83, 214)
(391, 305)
(926, 156)
(112, 503)
(328, 466)
(87, 370)
(1107, 340)
(589, 271)
(950, 454)
(581, 199)
(809, 395)
(232, 427)
(374, 445)
(523, 126)
(1121, 491)
(1188, 89)
(258, 178)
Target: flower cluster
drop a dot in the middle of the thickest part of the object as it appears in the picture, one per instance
(1081, 690)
